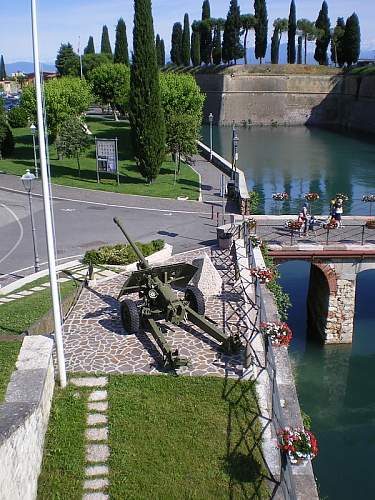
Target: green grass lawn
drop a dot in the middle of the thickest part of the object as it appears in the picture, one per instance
(65, 172)
(363, 70)
(8, 357)
(63, 467)
(17, 316)
(183, 438)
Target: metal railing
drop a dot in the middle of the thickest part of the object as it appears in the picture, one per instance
(286, 481)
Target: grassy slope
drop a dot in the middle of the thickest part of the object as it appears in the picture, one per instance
(63, 468)
(8, 357)
(363, 70)
(17, 316)
(65, 171)
(183, 438)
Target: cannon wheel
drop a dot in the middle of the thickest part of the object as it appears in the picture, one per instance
(129, 316)
(196, 300)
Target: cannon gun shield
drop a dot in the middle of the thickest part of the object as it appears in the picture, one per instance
(173, 274)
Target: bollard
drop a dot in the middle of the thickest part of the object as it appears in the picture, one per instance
(217, 219)
(212, 212)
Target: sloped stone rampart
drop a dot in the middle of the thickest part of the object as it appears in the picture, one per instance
(24, 419)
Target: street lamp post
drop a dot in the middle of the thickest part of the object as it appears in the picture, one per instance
(27, 181)
(234, 151)
(33, 132)
(211, 119)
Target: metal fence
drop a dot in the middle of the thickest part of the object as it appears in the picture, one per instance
(285, 485)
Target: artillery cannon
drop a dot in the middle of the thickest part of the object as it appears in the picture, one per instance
(161, 302)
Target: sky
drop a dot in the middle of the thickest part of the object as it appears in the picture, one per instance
(67, 20)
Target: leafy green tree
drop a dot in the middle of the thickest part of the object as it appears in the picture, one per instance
(6, 136)
(17, 117)
(205, 29)
(72, 140)
(146, 113)
(176, 44)
(261, 29)
(195, 44)
(158, 50)
(337, 43)
(182, 102)
(111, 85)
(280, 27)
(352, 40)
(64, 97)
(91, 61)
(292, 31)
(216, 47)
(232, 48)
(185, 55)
(3, 73)
(67, 61)
(105, 43)
(323, 24)
(299, 51)
(248, 23)
(121, 55)
(308, 31)
(90, 49)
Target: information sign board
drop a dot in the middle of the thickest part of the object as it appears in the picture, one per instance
(107, 157)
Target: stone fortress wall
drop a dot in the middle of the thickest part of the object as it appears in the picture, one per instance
(321, 100)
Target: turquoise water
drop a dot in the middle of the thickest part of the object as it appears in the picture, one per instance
(299, 160)
(336, 387)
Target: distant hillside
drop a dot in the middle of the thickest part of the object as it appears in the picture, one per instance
(27, 67)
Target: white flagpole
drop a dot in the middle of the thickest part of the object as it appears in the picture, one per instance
(47, 204)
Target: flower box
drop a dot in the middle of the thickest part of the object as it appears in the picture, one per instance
(251, 224)
(263, 274)
(311, 196)
(370, 224)
(280, 196)
(279, 333)
(255, 241)
(300, 444)
(368, 198)
(342, 196)
(294, 225)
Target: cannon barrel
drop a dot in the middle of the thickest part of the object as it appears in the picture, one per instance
(143, 261)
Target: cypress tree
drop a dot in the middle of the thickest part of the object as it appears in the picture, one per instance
(261, 29)
(106, 44)
(299, 53)
(3, 73)
(195, 44)
(90, 49)
(216, 48)
(121, 47)
(145, 109)
(322, 24)
(186, 42)
(292, 30)
(157, 48)
(337, 43)
(352, 40)
(162, 53)
(176, 45)
(206, 33)
(275, 45)
(232, 48)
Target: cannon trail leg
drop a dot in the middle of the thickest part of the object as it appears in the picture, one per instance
(172, 357)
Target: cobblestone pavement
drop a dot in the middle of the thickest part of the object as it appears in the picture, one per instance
(94, 339)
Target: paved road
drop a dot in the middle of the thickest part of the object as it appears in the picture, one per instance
(84, 220)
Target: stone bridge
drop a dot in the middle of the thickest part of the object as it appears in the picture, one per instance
(337, 256)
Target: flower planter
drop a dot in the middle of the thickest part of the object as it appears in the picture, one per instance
(370, 224)
(300, 445)
(278, 333)
(225, 241)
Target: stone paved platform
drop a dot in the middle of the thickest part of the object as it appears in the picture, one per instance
(94, 339)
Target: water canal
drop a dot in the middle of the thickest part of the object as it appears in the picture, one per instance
(300, 160)
(336, 384)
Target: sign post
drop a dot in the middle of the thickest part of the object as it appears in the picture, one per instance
(107, 157)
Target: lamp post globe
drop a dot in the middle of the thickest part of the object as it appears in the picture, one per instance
(27, 181)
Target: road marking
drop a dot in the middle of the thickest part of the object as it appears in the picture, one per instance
(2, 276)
(20, 237)
(111, 205)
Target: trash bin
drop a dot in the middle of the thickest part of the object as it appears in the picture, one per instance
(225, 241)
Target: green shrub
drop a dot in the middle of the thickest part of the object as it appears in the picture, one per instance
(6, 138)
(121, 255)
(254, 201)
(17, 118)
